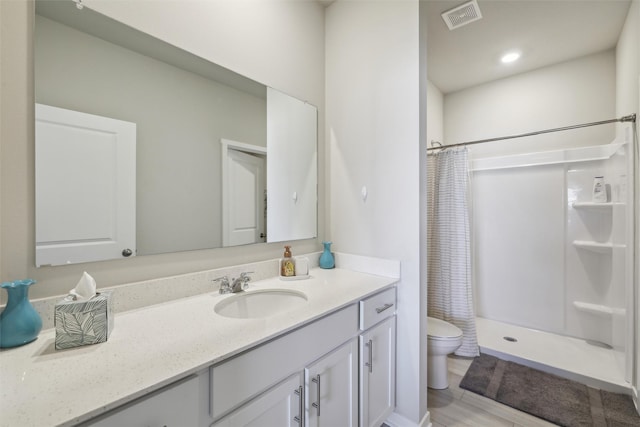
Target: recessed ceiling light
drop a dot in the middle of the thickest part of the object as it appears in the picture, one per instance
(510, 57)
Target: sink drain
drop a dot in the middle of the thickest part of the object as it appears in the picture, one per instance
(510, 339)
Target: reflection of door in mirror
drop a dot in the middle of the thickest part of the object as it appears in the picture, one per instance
(244, 186)
(85, 187)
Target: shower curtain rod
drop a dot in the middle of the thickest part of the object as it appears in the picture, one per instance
(629, 118)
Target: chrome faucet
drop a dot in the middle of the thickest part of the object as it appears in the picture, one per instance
(241, 283)
(236, 285)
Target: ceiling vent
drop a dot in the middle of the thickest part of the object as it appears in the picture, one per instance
(462, 15)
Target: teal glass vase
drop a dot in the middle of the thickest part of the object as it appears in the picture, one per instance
(326, 258)
(20, 323)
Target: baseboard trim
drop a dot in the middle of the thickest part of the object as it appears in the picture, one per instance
(397, 420)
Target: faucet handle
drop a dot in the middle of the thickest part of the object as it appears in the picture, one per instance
(225, 288)
(245, 278)
(245, 275)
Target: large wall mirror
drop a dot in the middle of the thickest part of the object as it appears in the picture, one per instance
(143, 148)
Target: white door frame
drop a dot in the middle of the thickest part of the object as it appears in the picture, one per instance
(633, 194)
(226, 145)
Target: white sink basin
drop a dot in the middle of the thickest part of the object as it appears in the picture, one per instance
(260, 303)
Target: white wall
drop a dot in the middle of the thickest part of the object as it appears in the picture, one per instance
(569, 93)
(435, 111)
(280, 44)
(628, 63)
(519, 270)
(373, 123)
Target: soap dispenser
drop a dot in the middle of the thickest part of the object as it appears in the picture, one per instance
(287, 267)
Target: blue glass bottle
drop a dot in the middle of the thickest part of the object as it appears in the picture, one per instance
(20, 323)
(326, 258)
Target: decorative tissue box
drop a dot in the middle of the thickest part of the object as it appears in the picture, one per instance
(83, 322)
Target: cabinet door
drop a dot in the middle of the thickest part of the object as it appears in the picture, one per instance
(377, 373)
(174, 406)
(281, 406)
(331, 385)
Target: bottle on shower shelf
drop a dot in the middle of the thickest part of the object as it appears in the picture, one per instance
(599, 190)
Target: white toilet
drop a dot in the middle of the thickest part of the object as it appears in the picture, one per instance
(443, 338)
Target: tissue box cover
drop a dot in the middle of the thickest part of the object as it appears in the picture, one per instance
(83, 322)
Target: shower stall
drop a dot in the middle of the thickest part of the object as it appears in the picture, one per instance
(553, 270)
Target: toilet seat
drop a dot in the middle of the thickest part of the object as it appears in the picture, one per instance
(439, 330)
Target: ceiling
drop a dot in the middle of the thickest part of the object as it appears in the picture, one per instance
(545, 31)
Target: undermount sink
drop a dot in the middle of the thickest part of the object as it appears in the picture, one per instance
(259, 303)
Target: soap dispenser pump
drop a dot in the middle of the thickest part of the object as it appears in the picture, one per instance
(287, 266)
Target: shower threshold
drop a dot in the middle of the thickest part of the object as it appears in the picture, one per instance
(572, 358)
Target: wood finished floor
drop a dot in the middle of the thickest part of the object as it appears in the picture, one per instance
(455, 407)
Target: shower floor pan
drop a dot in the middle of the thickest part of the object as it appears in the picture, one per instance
(572, 358)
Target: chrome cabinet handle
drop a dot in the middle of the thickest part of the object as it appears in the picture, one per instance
(384, 307)
(317, 404)
(300, 418)
(370, 362)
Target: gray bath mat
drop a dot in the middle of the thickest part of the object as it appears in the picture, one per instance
(555, 399)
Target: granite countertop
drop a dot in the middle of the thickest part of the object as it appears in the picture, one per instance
(155, 346)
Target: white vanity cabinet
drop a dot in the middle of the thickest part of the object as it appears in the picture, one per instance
(322, 362)
(377, 358)
(249, 388)
(325, 393)
(338, 370)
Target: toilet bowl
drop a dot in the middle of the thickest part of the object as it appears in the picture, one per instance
(443, 338)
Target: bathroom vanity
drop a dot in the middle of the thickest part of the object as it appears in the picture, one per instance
(327, 360)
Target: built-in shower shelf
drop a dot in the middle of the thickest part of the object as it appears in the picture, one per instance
(599, 309)
(601, 248)
(596, 206)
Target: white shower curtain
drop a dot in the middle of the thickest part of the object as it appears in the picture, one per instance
(449, 286)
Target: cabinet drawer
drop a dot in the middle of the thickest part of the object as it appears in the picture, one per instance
(377, 308)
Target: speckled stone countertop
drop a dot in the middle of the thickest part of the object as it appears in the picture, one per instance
(154, 346)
